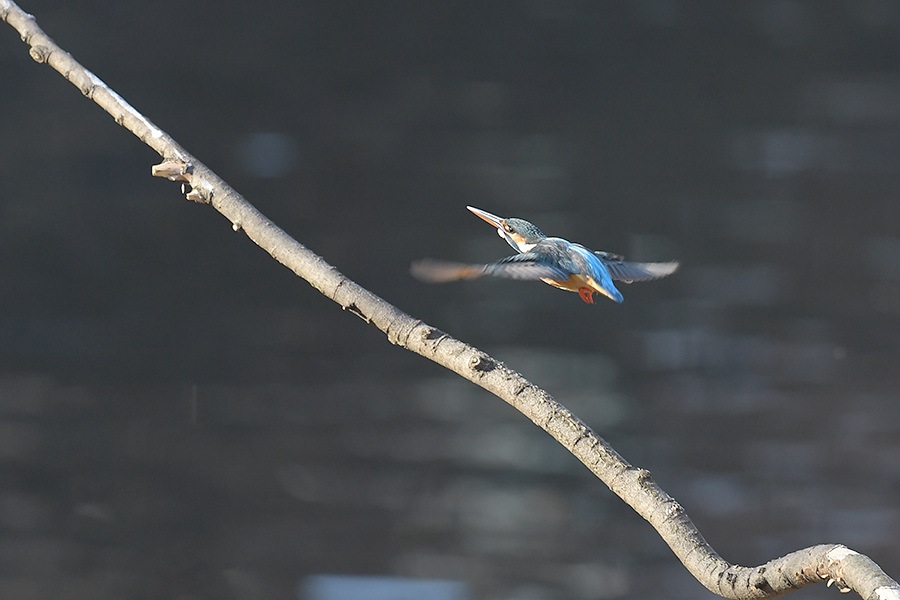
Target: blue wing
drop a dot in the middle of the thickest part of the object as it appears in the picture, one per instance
(533, 265)
(590, 265)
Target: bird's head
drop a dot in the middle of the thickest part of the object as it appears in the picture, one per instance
(518, 233)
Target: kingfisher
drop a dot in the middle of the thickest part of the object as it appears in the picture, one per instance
(558, 262)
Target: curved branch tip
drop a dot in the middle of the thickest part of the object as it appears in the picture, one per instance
(886, 592)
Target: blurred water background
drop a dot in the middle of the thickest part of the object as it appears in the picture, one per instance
(181, 417)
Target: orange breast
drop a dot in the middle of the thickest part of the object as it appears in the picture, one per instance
(576, 282)
(573, 283)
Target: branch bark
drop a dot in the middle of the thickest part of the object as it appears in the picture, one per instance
(833, 563)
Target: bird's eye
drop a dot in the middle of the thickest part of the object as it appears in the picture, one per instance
(508, 228)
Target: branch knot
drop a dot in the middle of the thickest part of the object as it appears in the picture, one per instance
(40, 54)
(480, 362)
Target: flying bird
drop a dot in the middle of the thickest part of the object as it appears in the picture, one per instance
(558, 262)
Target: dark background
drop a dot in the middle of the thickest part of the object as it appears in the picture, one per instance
(181, 417)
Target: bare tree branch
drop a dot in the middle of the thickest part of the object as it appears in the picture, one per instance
(833, 563)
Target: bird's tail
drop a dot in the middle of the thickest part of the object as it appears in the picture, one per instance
(431, 270)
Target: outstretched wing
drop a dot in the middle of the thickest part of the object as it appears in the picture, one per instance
(525, 266)
(442, 271)
(628, 272)
(529, 265)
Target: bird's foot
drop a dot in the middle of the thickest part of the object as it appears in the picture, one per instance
(587, 294)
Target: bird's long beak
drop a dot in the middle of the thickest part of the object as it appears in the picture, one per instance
(497, 222)
(492, 219)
